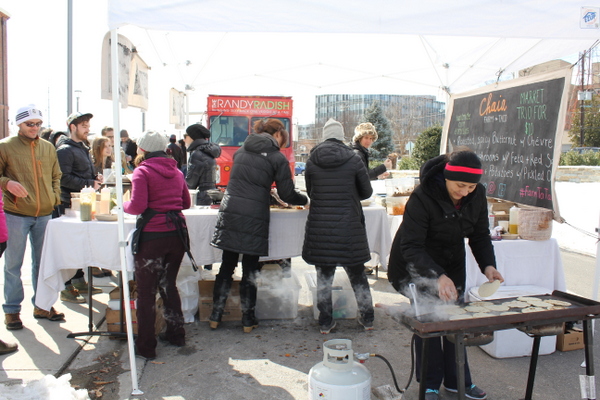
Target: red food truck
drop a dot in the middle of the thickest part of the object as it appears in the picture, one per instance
(231, 118)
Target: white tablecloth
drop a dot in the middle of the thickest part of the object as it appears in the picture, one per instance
(70, 244)
(522, 262)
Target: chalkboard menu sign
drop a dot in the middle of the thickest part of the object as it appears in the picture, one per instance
(516, 130)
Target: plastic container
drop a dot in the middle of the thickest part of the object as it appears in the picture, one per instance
(512, 342)
(86, 201)
(277, 296)
(513, 220)
(395, 205)
(342, 295)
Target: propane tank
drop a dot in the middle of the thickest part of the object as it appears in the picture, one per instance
(338, 376)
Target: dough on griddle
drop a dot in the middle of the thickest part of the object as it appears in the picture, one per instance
(481, 303)
(482, 315)
(558, 302)
(557, 308)
(541, 303)
(497, 307)
(455, 311)
(509, 313)
(516, 304)
(528, 299)
(476, 309)
(533, 309)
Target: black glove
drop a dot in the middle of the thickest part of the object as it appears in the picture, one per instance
(2, 248)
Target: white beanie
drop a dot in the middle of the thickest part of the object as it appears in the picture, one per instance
(333, 130)
(28, 113)
(152, 141)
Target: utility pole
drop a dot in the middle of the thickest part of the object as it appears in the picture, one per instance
(581, 105)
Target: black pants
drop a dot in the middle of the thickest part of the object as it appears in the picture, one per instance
(441, 363)
(250, 270)
(360, 285)
(156, 267)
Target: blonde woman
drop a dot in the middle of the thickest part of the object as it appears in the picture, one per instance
(365, 135)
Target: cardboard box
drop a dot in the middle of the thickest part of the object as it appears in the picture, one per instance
(344, 301)
(113, 319)
(570, 340)
(233, 306)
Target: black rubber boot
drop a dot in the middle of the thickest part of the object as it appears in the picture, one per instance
(248, 299)
(220, 294)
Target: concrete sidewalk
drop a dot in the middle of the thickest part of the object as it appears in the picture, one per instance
(272, 362)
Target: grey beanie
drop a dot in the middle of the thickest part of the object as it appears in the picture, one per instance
(333, 130)
(152, 141)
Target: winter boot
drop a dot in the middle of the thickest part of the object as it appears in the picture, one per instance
(249, 321)
(248, 298)
(220, 294)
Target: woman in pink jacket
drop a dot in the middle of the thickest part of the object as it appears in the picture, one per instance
(159, 193)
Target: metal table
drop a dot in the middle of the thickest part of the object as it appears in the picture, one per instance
(534, 323)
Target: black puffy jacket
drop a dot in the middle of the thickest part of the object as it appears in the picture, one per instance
(336, 182)
(244, 215)
(201, 172)
(77, 168)
(363, 153)
(430, 240)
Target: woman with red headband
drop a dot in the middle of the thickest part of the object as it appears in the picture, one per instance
(429, 250)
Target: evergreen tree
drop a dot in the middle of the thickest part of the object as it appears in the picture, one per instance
(591, 124)
(427, 144)
(384, 144)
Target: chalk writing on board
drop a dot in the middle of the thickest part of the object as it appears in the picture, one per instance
(513, 131)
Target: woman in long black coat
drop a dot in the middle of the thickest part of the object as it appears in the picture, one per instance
(244, 215)
(336, 182)
(429, 250)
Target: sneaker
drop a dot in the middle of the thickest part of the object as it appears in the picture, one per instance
(367, 325)
(51, 315)
(7, 348)
(325, 329)
(82, 287)
(472, 392)
(71, 295)
(13, 322)
(432, 394)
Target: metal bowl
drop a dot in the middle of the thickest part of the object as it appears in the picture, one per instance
(215, 194)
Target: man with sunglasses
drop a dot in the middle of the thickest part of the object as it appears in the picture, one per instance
(30, 181)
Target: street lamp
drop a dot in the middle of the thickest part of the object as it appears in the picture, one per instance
(77, 95)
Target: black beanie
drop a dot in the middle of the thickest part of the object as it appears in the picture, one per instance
(197, 131)
(464, 166)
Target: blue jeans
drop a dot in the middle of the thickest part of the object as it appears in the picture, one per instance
(18, 229)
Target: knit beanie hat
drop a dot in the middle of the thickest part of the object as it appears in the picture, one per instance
(464, 166)
(27, 113)
(197, 131)
(364, 129)
(152, 141)
(333, 130)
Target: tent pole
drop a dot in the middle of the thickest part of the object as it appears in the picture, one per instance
(114, 62)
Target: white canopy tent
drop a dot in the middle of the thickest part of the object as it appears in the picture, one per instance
(343, 46)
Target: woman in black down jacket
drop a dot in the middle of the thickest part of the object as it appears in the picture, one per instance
(201, 168)
(243, 219)
(336, 182)
(429, 250)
